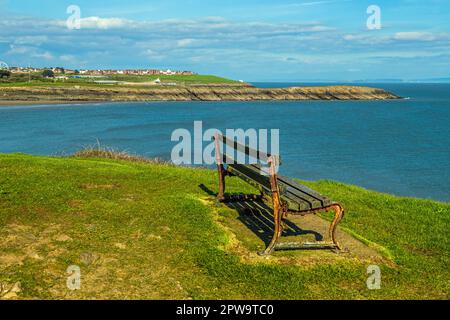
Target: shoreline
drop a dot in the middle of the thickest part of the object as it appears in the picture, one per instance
(13, 103)
(35, 95)
(25, 103)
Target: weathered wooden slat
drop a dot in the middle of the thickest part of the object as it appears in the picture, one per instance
(304, 190)
(297, 192)
(297, 203)
(262, 156)
(296, 200)
(299, 197)
(251, 176)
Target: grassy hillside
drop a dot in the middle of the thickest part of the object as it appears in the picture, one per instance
(38, 80)
(142, 230)
(183, 79)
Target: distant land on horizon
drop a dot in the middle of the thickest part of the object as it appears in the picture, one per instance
(168, 71)
(430, 80)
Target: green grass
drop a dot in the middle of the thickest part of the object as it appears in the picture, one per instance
(143, 230)
(178, 79)
(183, 79)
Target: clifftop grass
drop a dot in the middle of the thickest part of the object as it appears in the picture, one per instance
(142, 230)
(22, 80)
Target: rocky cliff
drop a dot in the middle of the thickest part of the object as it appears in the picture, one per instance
(189, 93)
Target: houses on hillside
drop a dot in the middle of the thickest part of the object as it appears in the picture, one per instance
(136, 72)
(101, 72)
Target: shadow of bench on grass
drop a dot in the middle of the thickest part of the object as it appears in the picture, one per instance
(258, 217)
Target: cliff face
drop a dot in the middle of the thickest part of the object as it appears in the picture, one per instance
(199, 93)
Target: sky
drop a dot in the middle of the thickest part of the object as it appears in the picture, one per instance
(252, 40)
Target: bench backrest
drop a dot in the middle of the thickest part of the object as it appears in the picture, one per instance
(222, 157)
(298, 197)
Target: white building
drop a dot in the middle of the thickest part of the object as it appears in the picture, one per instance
(168, 72)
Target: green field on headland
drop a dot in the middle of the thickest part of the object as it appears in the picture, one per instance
(37, 79)
(154, 231)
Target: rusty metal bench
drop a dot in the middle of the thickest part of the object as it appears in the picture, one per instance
(286, 195)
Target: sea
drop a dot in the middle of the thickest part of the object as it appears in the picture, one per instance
(401, 147)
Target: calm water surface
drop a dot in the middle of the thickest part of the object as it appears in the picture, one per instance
(400, 147)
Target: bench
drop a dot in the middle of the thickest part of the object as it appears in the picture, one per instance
(283, 194)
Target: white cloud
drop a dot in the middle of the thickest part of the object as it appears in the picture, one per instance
(43, 55)
(351, 37)
(153, 55)
(422, 36)
(18, 50)
(32, 40)
(209, 44)
(416, 36)
(369, 38)
(32, 52)
(185, 42)
(98, 23)
(67, 58)
(105, 23)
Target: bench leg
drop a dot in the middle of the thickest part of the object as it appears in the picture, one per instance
(329, 244)
(278, 229)
(278, 215)
(338, 215)
(278, 210)
(221, 171)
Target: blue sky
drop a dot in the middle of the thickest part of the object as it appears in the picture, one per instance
(253, 40)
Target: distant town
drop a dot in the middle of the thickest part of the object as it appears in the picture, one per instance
(99, 72)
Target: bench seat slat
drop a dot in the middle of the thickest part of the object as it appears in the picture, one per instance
(297, 196)
(251, 176)
(304, 189)
(300, 201)
(304, 192)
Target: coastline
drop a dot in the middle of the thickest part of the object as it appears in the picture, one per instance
(35, 95)
(13, 103)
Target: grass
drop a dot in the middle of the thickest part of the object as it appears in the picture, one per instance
(178, 79)
(104, 152)
(183, 79)
(147, 230)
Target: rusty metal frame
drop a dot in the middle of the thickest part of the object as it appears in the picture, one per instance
(332, 243)
(220, 169)
(280, 210)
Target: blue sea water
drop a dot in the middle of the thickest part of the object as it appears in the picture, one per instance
(400, 147)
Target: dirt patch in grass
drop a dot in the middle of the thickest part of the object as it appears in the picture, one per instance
(9, 291)
(249, 231)
(43, 254)
(21, 242)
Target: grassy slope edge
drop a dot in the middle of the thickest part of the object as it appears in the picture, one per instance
(37, 80)
(141, 230)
